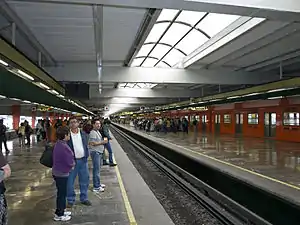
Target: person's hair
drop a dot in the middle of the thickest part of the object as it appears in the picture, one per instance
(94, 121)
(73, 118)
(61, 132)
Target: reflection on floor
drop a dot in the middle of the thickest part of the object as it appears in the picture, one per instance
(31, 193)
(279, 160)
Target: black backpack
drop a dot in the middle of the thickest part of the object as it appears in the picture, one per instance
(46, 158)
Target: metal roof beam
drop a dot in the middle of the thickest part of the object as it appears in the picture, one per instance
(274, 10)
(129, 100)
(144, 93)
(87, 72)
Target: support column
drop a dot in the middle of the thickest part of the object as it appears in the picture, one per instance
(33, 118)
(16, 113)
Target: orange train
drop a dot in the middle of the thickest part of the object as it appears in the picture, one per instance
(272, 118)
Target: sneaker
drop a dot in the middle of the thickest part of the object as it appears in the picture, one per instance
(112, 164)
(86, 202)
(103, 185)
(67, 213)
(100, 189)
(61, 218)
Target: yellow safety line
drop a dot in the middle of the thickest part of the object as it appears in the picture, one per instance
(232, 165)
(128, 208)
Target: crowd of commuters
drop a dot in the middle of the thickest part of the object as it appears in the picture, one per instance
(163, 124)
(74, 144)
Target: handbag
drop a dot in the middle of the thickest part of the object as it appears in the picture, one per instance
(46, 158)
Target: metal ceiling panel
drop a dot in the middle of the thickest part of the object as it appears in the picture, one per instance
(268, 52)
(120, 27)
(66, 31)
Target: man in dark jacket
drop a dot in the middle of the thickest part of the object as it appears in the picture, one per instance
(104, 130)
(3, 138)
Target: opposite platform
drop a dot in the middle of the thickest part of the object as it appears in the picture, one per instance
(238, 157)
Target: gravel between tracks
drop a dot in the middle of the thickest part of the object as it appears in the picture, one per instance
(181, 207)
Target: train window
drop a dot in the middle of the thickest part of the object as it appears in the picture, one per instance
(227, 118)
(291, 119)
(252, 118)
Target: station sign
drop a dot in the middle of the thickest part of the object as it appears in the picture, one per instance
(45, 109)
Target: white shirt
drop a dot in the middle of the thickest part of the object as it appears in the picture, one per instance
(78, 146)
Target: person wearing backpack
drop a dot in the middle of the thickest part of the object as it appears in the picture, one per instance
(3, 138)
(63, 162)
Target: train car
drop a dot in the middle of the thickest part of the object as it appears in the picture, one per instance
(276, 118)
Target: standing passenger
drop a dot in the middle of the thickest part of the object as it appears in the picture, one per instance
(79, 145)
(96, 143)
(63, 161)
(4, 173)
(3, 138)
(105, 133)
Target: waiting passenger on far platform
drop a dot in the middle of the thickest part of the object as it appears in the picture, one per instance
(106, 134)
(96, 146)
(79, 145)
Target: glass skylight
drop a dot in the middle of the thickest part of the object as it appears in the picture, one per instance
(137, 85)
(177, 34)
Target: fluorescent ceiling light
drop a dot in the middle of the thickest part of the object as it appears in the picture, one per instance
(233, 97)
(25, 101)
(275, 97)
(61, 96)
(2, 96)
(25, 75)
(251, 94)
(3, 63)
(280, 89)
(42, 85)
(53, 92)
(15, 99)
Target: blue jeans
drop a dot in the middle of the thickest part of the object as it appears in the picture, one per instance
(110, 155)
(97, 161)
(81, 168)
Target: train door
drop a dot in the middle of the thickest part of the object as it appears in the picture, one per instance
(204, 121)
(217, 123)
(239, 120)
(270, 124)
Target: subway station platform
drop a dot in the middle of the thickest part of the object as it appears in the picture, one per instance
(271, 165)
(31, 193)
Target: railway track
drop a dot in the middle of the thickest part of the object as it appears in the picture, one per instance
(222, 208)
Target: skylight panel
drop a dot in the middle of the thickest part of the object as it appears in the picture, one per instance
(122, 85)
(149, 62)
(156, 32)
(173, 57)
(145, 49)
(162, 65)
(159, 51)
(192, 41)
(190, 17)
(137, 62)
(175, 33)
(215, 23)
(167, 14)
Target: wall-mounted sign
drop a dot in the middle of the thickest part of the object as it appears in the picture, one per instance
(45, 109)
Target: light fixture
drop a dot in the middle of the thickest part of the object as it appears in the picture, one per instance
(277, 97)
(2, 96)
(233, 97)
(40, 84)
(251, 94)
(53, 92)
(15, 99)
(25, 75)
(61, 96)
(25, 101)
(3, 63)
